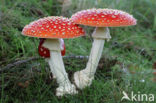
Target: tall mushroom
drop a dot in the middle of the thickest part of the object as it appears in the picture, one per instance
(53, 28)
(101, 19)
(45, 52)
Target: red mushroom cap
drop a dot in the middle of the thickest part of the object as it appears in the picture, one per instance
(103, 18)
(53, 27)
(44, 52)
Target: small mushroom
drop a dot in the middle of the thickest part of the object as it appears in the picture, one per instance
(101, 19)
(53, 28)
(44, 52)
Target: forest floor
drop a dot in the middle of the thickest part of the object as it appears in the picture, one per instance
(127, 62)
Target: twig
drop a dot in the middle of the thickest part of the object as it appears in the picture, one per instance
(76, 57)
(17, 63)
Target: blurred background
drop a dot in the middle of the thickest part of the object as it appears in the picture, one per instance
(128, 62)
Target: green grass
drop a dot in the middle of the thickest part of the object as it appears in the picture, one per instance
(132, 48)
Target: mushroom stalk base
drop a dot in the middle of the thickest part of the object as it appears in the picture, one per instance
(57, 68)
(84, 77)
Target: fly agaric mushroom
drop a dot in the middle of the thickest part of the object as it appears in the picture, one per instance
(101, 19)
(44, 52)
(52, 28)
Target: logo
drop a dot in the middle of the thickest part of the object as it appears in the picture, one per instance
(137, 97)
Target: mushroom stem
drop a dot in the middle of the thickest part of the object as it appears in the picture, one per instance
(99, 36)
(84, 77)
(94, 57)
(57, 68)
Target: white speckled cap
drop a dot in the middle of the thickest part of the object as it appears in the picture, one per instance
(103, 18)
(53, 27)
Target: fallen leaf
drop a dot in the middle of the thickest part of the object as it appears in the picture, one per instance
(24, 85)
(154, 65)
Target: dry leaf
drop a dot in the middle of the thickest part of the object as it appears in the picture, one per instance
(154, 65)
